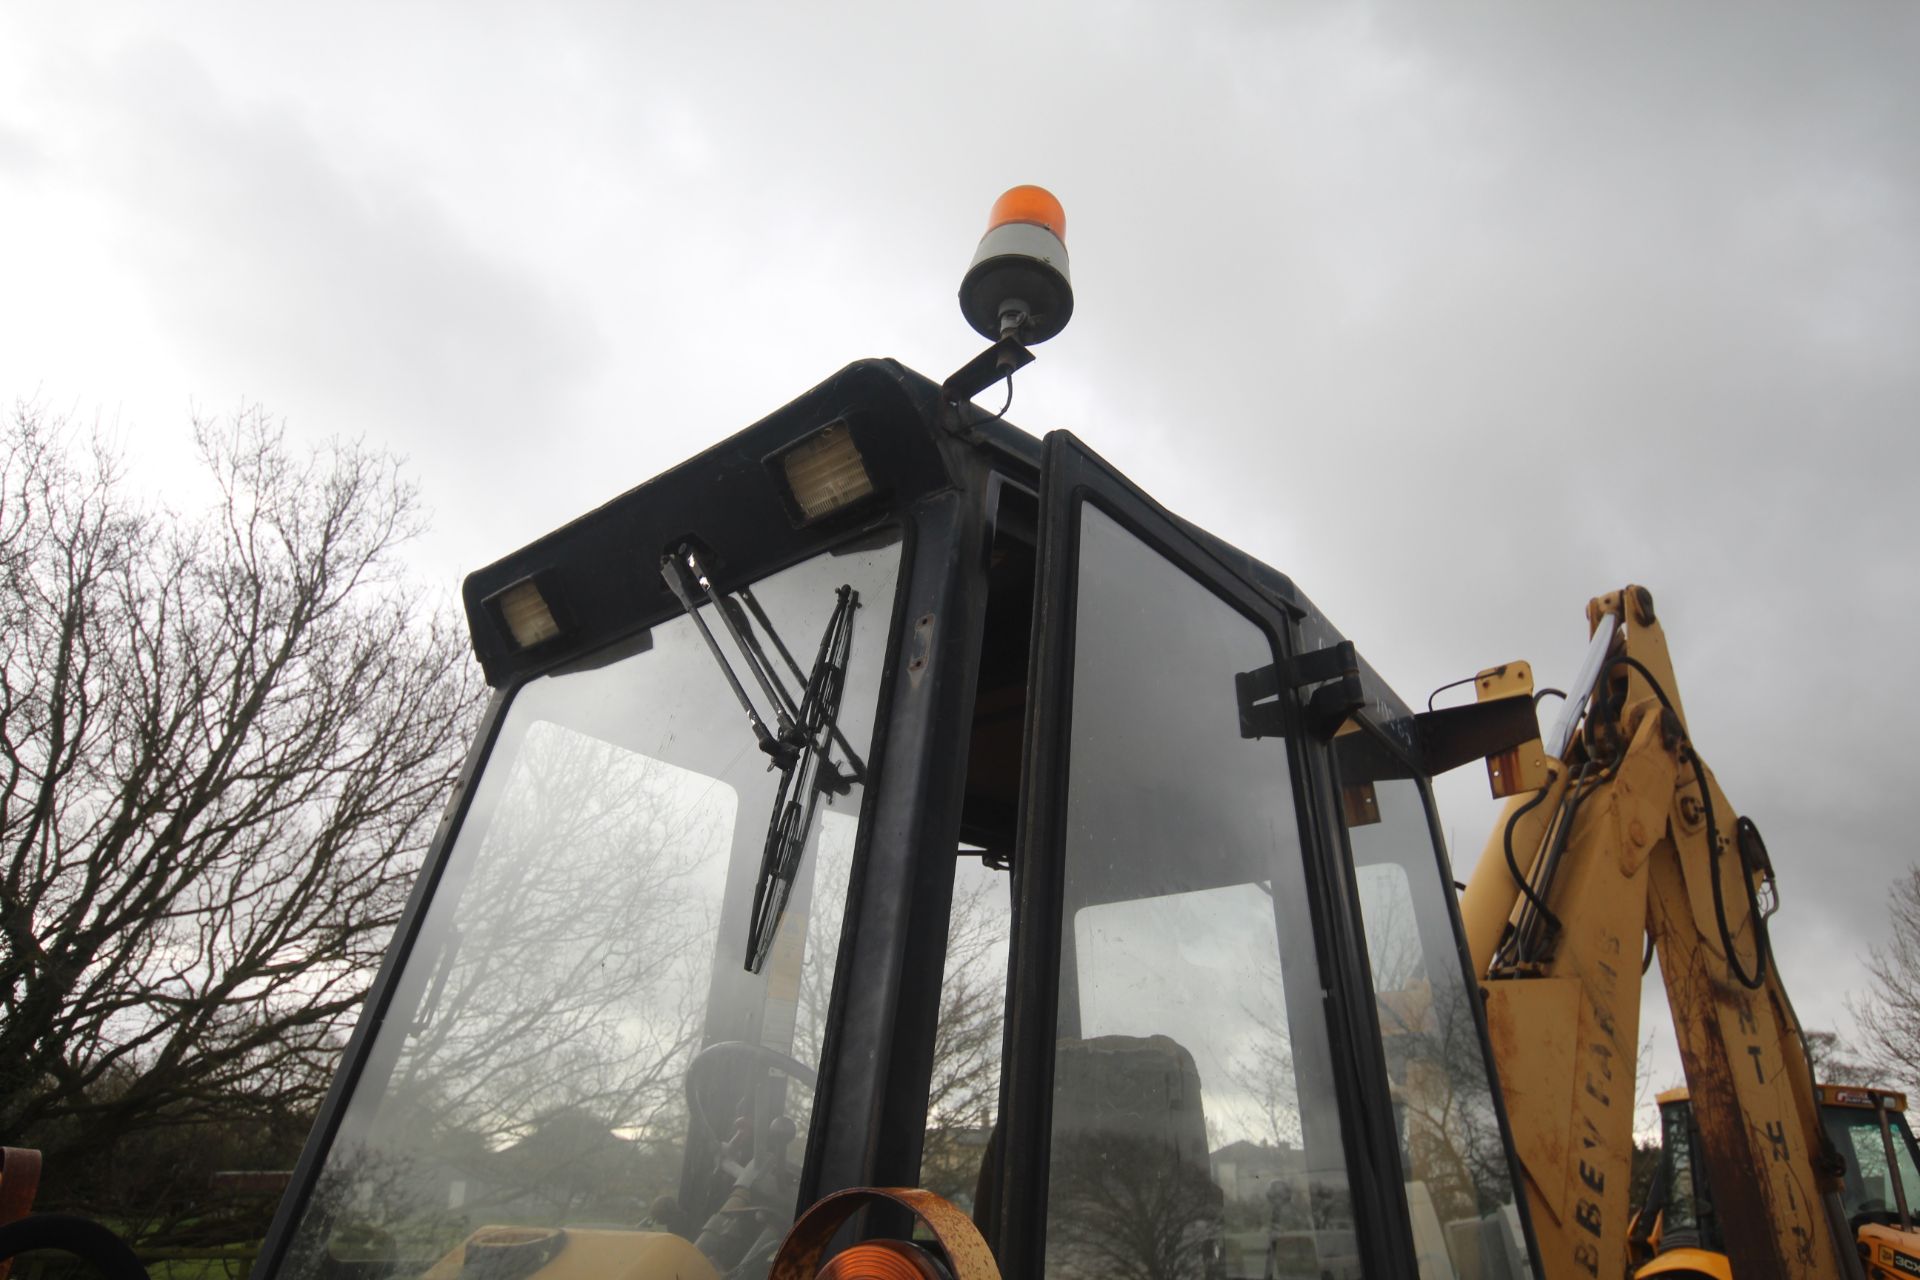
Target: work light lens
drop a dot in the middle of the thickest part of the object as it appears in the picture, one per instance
(526, 614)
(825, 473)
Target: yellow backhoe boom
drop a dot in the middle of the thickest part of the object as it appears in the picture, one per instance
(1631, 845)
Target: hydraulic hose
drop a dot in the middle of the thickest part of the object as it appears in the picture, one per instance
(1760, 939)
(1762, 943)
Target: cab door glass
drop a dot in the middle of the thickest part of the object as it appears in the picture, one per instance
(1195, 1128)
(1460, 1192)
(963, 1097)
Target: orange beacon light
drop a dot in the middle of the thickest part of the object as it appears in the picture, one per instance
(1018, 285)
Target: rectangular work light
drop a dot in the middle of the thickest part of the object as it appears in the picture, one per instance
(525, 613)
(825, 473)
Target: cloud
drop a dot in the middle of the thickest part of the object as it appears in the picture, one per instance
(18, 155)
(1458, 315)
(282, 272)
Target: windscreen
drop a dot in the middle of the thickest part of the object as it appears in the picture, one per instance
(1869, 1185)
(576, 1039)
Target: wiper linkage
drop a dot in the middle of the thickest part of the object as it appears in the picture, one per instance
(807, 730)
(684, 575)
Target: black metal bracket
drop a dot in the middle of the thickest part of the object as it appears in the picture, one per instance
(998, 361)
(1335, 673)
(1453, 736)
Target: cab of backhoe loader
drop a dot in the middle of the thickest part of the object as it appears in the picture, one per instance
(1868, 1127)
(1675, 1223)
(886, 797)
(1677, 1230)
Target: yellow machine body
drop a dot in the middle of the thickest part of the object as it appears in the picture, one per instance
(1885, 1247)
(1687, 1263)
(1577, 877)
(1889, 1252)
(575, 1253)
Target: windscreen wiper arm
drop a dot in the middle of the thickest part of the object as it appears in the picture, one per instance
(808, 728)
(685, 575)
(855, 765)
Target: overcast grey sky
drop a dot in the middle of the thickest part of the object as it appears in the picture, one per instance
(1459, 314)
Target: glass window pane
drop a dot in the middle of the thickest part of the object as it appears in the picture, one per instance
(1459, 1186)
(963, 1102)
(575, 1040)
(1686, 1204)
(1195, 1126)
(1869, 1188)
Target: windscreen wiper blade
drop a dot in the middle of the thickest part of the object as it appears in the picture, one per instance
(808, 728)
(803, 781)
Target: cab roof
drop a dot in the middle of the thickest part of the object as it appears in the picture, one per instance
(1830, 1095)
(600, 573)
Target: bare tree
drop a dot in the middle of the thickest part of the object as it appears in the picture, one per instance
(1889, 1016)
(572, 981)
(224, 741)
(964, 1093)
(1119, 1206)
(1834, 1060)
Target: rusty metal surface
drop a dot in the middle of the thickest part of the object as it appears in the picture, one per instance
(799, 1254)
(19, 1183)
(1745, 1073)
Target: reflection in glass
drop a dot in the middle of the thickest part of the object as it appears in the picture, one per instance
(1685, 1208)
(1459, 1185)
(1868, 1188)
(574, 1040)
(1196, 1133)
(964, 1096)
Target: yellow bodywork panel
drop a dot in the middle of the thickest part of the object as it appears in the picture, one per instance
(1567, 1041)
(1891, 1254)
(581, 1253)
(1529, 1024)
(1687, 1262)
